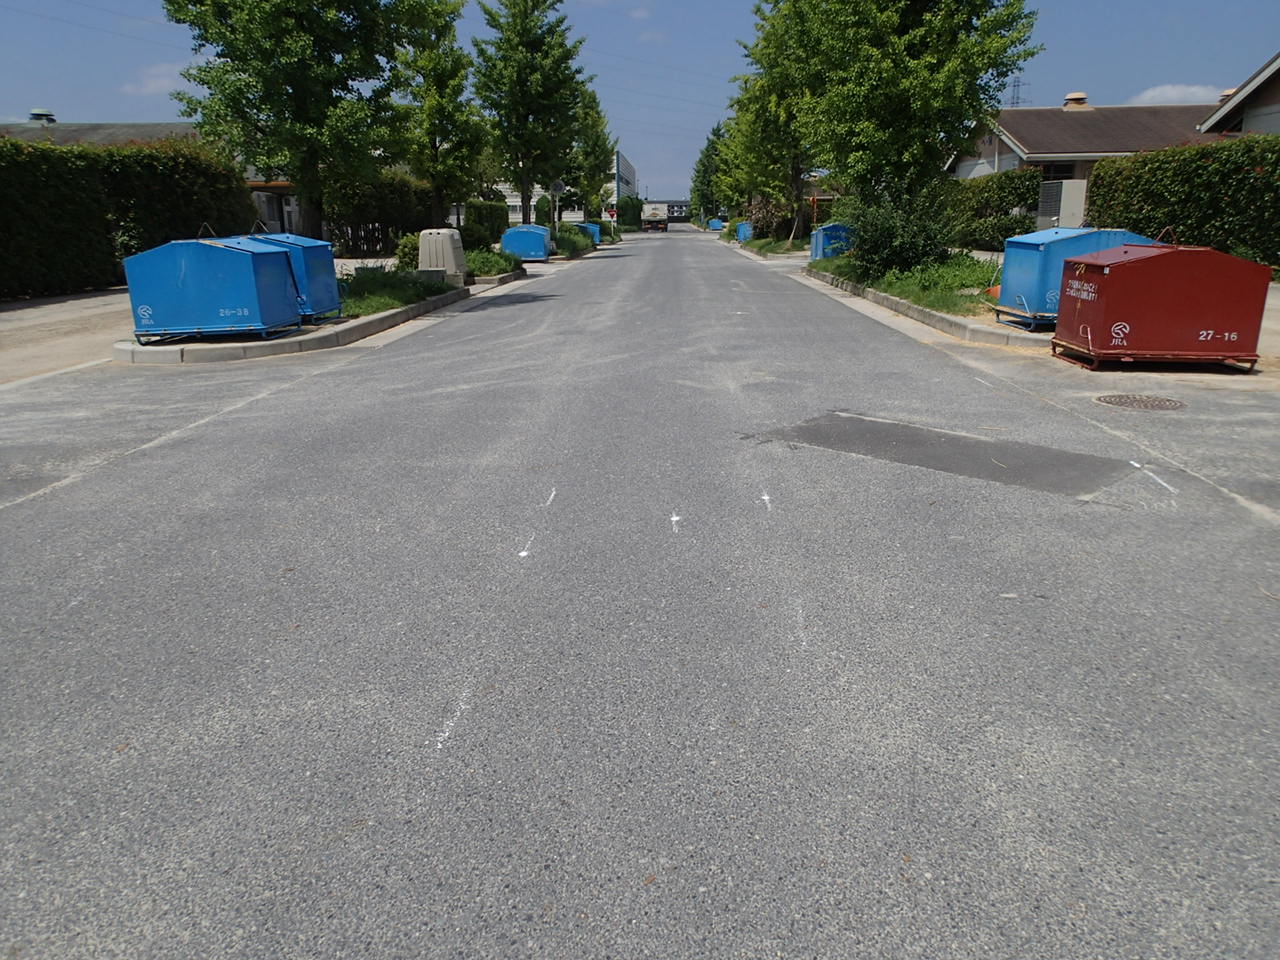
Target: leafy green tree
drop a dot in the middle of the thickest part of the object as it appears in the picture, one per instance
(591, 161)
(703, 201)
(776, 158)
(443, 132)
(528, 81)
(299, 90)
(890, 89)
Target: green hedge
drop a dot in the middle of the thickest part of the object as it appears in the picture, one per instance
(1224, 195)
(72, 213)
(489, 217)
(981, 210)
(367, 219)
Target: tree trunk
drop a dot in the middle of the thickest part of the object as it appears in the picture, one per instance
(526, 199)
(310, 217)
(437, 208)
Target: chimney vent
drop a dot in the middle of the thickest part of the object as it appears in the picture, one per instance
(1076, 101)
(1226, 94)
(41, 116)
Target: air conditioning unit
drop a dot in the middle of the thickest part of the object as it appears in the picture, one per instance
(1061, 204)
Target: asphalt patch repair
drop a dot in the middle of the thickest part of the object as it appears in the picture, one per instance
(1002, 461)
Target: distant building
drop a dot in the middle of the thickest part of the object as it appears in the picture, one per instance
(622, 183)
(1066, 142)
(1252, 107)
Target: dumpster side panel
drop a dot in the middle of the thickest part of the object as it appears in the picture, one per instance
(1163, 303)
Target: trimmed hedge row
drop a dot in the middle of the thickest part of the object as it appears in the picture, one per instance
(981, 209)
(72, 213)
(368, 219)
(1224, 195)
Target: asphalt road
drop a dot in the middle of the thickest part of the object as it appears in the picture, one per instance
(660, 606)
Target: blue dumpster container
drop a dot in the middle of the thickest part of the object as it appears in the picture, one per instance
(829, 240)
(528, 242)
(591, 230)
(716, 225)
(744, 232)
(211, 286)
(312, 262)
(1032, 273)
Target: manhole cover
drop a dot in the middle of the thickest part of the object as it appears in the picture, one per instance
(1138, 402)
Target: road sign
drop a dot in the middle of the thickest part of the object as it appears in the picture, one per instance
(557, 188)
(613, 214)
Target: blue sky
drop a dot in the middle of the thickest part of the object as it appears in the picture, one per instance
(662, 66)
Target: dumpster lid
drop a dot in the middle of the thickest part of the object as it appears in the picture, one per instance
(1050, 234)
(291, 238)
(1127, 252)
(248, 244)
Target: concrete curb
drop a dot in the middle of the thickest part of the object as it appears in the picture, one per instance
(127, 351)
(500, 279)
(962, 328)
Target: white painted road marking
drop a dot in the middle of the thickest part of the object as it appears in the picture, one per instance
(1153, 476)
(767, 500)
(675, 523)
(550, 498)
(525, 551)
(464, 702)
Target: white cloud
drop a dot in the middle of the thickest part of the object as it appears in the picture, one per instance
(640, 13)
(1177, 93)
(159, 78)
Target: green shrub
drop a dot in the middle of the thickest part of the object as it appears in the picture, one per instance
(407, 252)
(570, 240)
(486, 221)
(475, 236)
(1224, 195)
(72, 213)
(770, 220)
(486, 263)
(893, 231)
(542, 211)
(368, 219)
(629, 210)
(981, 210)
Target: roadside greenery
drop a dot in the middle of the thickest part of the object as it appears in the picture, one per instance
(571, 241)
(1224, 195)
(489, 263)
(302, 92)
(529, 83)
(72, 213)
(766, 245)
(874, 94)
(981, 210)
(956, 285)
(372, 291)
(894, 229)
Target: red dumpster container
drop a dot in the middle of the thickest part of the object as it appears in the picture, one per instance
(1160, 303)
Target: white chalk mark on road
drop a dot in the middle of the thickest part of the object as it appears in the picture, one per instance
(675, 523)
(464, 702)
(550, 498)
(768, 501)
(1153, 476)
(525, 551)
(983, 382)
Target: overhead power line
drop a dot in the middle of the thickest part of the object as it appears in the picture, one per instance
(86, 26)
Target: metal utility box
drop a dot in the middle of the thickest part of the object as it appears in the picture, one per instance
(529, 242)
(1061, 203)
(441, 250)
(829, 240)
(1032, 273)
(211, 286)
(591, 230)
(312, 264)
(1139, 302)
(744, 232)
(716, 225)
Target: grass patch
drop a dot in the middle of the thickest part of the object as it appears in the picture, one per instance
(373, 291)
(765, 245)
(938, 286)
(935, 286)
(487, 263)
